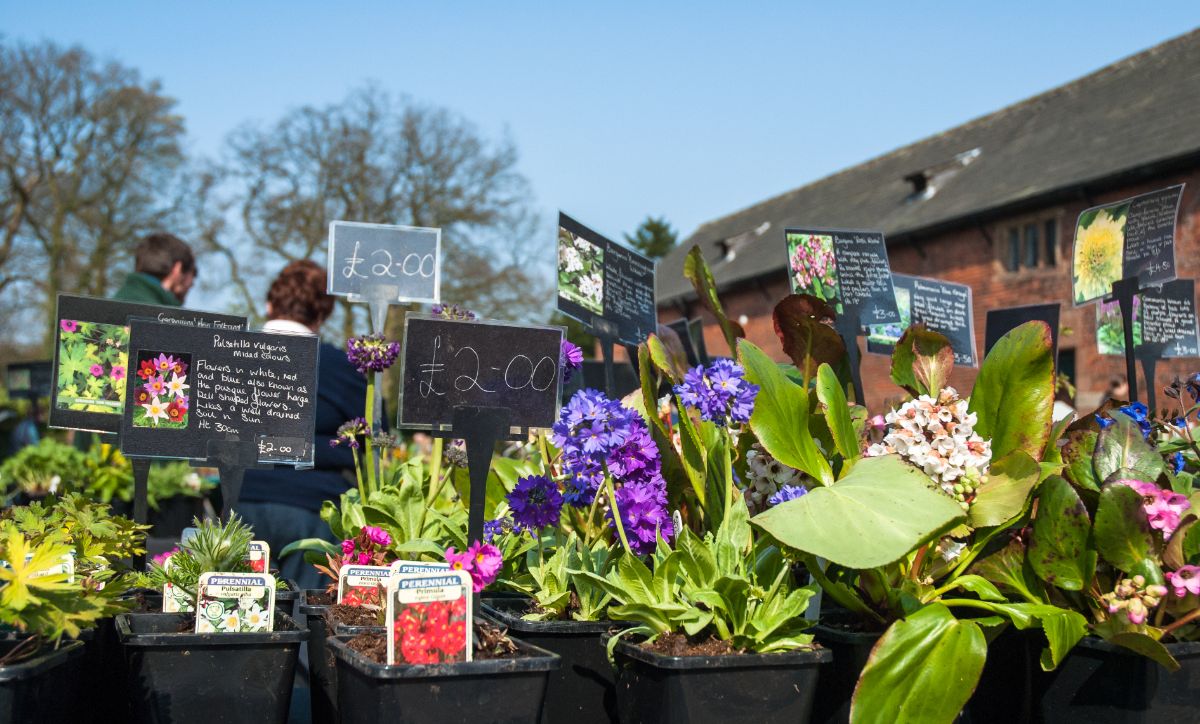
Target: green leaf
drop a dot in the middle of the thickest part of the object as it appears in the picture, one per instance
(311, 544)
(1014, 392)
(780, 415)
(805, 338)
(696, 270)
(922, 361)
(1006, 492)
(1123, 534)
(837, 413)
(1006, 568)
(1063, 630)
(980, 586)
(878, 513)
(922, 670)
(1122, 448)
(1059, 549)
(1146, 646)
(669, 358)
(1078, 455)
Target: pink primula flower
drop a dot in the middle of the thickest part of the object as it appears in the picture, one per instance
(1185, 580)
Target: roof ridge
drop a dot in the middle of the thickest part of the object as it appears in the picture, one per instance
(1069, 86)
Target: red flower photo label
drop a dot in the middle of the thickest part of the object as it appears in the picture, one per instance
(362, 585)
(259, 556)
(427, 618)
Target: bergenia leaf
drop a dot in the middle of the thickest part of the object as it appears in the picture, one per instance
(696, 270)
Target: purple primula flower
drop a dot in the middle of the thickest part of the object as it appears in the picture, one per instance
(535, 503)
(786, 493)
(371, 353)
(644, 516)
(349, 432)
(570, 360)
(719, 392)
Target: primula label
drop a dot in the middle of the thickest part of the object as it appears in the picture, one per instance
(943, 307)
(428, 618)
(361, 585)
(406, 567)
(235, 603)
(259, 556)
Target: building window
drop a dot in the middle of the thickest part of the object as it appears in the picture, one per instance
(1029, 244)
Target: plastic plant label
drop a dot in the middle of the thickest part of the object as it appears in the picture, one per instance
(66, 565)
(362, 585)
(259, 556)
(429, 618)
(235, 603)
(407, 567)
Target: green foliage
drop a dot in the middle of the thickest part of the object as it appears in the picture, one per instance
(216, 546)
(1014, 392)
(1122, 451)
(1123, 535)
(560, 593)
(654, 237)
(875, 515)
(92, 362)
(697, 271)
(922, 361)
(723, 585)
(38, 468)
(1059, 550)
(1005, 494)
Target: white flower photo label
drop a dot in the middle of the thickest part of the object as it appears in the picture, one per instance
(235, 603)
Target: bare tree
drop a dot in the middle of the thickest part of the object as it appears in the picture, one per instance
(379, 159)
(86, 149)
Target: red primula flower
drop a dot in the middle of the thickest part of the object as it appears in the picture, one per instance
(146, 369)
(175, 413)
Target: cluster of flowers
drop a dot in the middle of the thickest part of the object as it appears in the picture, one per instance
(938, 436)
(1134, 598)
(368, 548)
(432, 633)
(481, 560)
(154, 385)
(350, 431)
(595, 434)
(453, 311)
(362, 596)
(812, 260)
(767, 477)
(371, 353)
(570, 360)
(534, 503)
(719, 392)
(1163, 508)
(581, 260)
(248, 616)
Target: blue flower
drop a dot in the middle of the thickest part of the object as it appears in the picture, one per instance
(786, 493)
(1104, 422)
(719, 392)
(1177, 463)
(535, 503)
(570, 360)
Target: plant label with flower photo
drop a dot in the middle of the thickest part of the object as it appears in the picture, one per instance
(409, 567)
(429, 618)
(383, 262)
(843, 267)
(259, 556)
(1164, 322)
(1133, 238)
(235, 603)
(449, 363)
(91, 371)
(601, 280)
(362, 585)
(196, 387)
(943, 307)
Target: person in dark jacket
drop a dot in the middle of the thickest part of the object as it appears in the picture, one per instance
(164, 269)
(283, 504)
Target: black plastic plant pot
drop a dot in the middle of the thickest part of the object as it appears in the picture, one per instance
(41, 688)
(582, 690)
(189, 677)
(1101, 683)
(839, 675)
(322, 672)
(753, 688)
(285, 598)
(101, 696)
(500, 691)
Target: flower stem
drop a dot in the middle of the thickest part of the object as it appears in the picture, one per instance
(362, 493)
(435, 469)
(616, 514)
(371, 454)
(1191, 616)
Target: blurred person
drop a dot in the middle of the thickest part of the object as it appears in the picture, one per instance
(1117, 391)
(163, 272)
(283, 504)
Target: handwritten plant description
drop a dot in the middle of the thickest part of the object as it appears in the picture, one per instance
(92, 365)
(385, 263)
(242, 386)
(1150, 236)
(1168, 317)
(452, 363)
(944, 307)
(864, 276)
(605, 285)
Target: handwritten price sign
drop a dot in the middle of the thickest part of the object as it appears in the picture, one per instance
(450, 363)
(385, 263)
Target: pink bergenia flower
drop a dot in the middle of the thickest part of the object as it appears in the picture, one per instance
(1185, 580)
(1163, 508)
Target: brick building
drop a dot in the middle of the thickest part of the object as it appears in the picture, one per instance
(991, 203)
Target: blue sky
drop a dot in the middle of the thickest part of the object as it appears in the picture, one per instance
(619, 110)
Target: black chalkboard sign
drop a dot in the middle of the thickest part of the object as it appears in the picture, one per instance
(91, 366)
(385, 263)
(1002, 321)
(1129, 239)
(604, 285)
(1164, 322)
(844, 267)
(28, 380)
(190, 388)
(944, 307)
(452, 363)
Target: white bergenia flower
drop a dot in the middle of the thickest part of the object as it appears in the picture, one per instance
(766, 476)
(938, 436)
